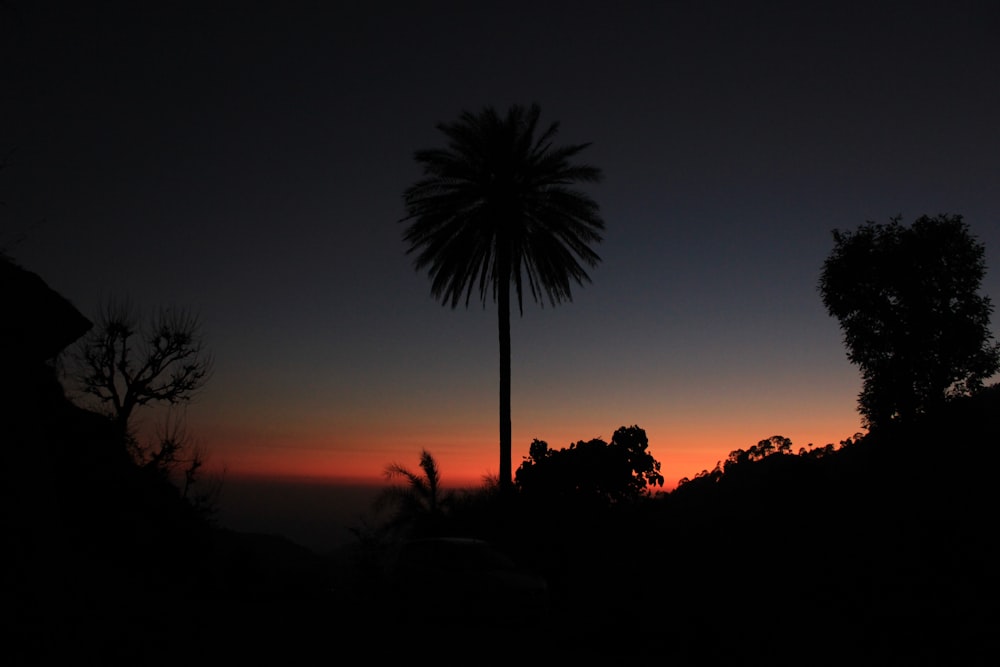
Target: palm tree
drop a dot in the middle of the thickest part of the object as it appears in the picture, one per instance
(497, 207)
(420, 502)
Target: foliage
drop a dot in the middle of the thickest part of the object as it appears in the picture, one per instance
(913, 321)
(620, 471)
(776, 444)
(420, 502)
(497, 207)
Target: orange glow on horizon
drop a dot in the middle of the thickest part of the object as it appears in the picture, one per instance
(464, 462)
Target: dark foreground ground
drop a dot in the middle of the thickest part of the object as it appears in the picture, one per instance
(883, 553)
(277, 603)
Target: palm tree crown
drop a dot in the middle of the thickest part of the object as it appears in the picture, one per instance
(496, 188)
(497, 208)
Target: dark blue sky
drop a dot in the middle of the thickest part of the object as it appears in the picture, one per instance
(250, 163)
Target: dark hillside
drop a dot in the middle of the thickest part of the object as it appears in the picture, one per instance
(103, 556)
(882, 551)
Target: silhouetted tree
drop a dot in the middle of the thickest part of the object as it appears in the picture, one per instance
(74, 484)
(620, 471)
(632, 443)
(126, 363)
(496, 208)
(176, 456)
(705, 477)
(776, 444)
(420, 502)
(913, 320)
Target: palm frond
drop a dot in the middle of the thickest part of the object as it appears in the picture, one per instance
(502, 184)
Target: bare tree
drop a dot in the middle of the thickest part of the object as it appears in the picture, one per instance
(127, 363)
(178, 457)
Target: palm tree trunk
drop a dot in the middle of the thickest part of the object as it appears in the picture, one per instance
(503, 322)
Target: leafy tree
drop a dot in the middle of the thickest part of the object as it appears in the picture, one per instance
(496, 209)
(913, 320)
(620, 471)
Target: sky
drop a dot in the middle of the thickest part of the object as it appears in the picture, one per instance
(248, 163)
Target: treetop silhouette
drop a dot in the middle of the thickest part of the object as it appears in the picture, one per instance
(620, 471)
(913, 320)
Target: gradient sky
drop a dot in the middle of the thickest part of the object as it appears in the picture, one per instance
(249, 164)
